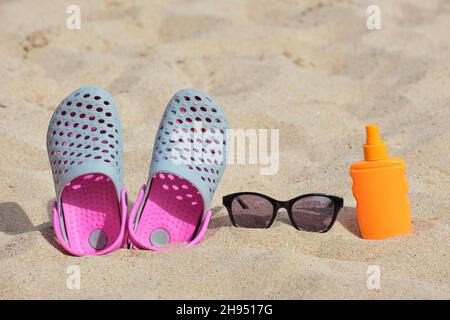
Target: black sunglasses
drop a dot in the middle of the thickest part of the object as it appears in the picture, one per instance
(313, 212)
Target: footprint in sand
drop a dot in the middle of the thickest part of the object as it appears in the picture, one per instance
(35, 40)
(17, 245)
(294, 59)
(325, 4)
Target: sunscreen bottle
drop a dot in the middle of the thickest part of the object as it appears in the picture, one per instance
(381, 191)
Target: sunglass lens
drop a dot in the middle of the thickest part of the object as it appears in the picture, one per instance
(313, 214)
(251, 211)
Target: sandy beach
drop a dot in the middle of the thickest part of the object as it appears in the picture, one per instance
(309, 68)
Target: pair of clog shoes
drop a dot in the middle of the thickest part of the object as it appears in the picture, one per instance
(85, 148)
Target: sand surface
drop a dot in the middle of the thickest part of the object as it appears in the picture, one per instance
(308, 68)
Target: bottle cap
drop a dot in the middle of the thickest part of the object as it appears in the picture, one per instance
(375, 148)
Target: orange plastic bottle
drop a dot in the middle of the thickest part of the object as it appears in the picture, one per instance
(381, 191)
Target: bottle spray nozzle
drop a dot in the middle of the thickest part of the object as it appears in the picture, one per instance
(375, 148)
